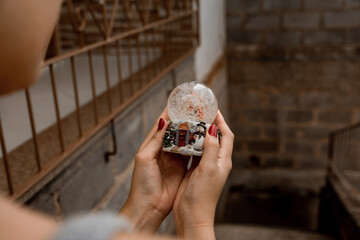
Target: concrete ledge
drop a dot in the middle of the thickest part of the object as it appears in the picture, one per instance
(282, 198)
(286, 180)
(246, 232)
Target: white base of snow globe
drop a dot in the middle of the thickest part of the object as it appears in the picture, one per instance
(185, 137)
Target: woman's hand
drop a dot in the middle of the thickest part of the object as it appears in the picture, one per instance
(196, 200)
(155, 182)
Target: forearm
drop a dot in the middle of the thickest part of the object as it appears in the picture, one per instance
(17, 223)
(25, 31)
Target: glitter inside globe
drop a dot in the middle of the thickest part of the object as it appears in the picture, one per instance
(192, 101)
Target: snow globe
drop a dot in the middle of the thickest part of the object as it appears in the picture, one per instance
(192, 107)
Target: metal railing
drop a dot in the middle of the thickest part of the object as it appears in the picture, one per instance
(344, 158)
(148, 37)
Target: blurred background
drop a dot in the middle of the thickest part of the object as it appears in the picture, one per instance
(286, 75)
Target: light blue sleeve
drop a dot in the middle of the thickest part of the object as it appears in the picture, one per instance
(93, 227)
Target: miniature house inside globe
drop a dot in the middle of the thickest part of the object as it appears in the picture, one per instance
(192, 107)
(192, 101)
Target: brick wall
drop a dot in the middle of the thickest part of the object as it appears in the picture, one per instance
(293, 77)
(282, 111)
(293, 22)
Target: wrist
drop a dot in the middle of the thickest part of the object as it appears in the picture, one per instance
(144, 219)
(195, 224)
(189, 218)
(199, 231)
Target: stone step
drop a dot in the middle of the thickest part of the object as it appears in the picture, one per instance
(248, 232)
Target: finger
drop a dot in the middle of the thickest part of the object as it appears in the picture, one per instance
(195, 162)
(211, 148)
(153, 146)
(227, 137)
(222, 125)
(173, 163)
(164, 115)
(185, 181)
(173, 169)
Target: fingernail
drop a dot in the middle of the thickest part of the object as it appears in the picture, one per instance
(161, 124)
(213, 130)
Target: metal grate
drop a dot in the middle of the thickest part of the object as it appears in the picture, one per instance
(344, 156)
(141, 40)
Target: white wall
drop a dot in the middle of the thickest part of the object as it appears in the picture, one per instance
(212, 35)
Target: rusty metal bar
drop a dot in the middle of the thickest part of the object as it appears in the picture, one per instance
(138, 51)
(189, 34)
(337, 150)
(50, 165)
(33, 129)
(170, 44)
(331, 147)
(153, 53)
(173, 79)
(162, 62)
(131, 77)
(6, 161)
(346, 184)
(106, 30)
(350, 127)
(345, 149)
(165, 44)
(112, 18)
(160, 40)
(58, 119)
(157, 50)
(81, 39)
(118, 61)
(341, 150)
(91, 10)
(93, 87)
(347, 154)
(117, 37)
(147, 56)
(76, 93)
(107, 78)
(340, 142)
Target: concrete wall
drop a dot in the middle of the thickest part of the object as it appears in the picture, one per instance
(212, 36)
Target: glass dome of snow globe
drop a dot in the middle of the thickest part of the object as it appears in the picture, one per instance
(192, 107)
(192, 101)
